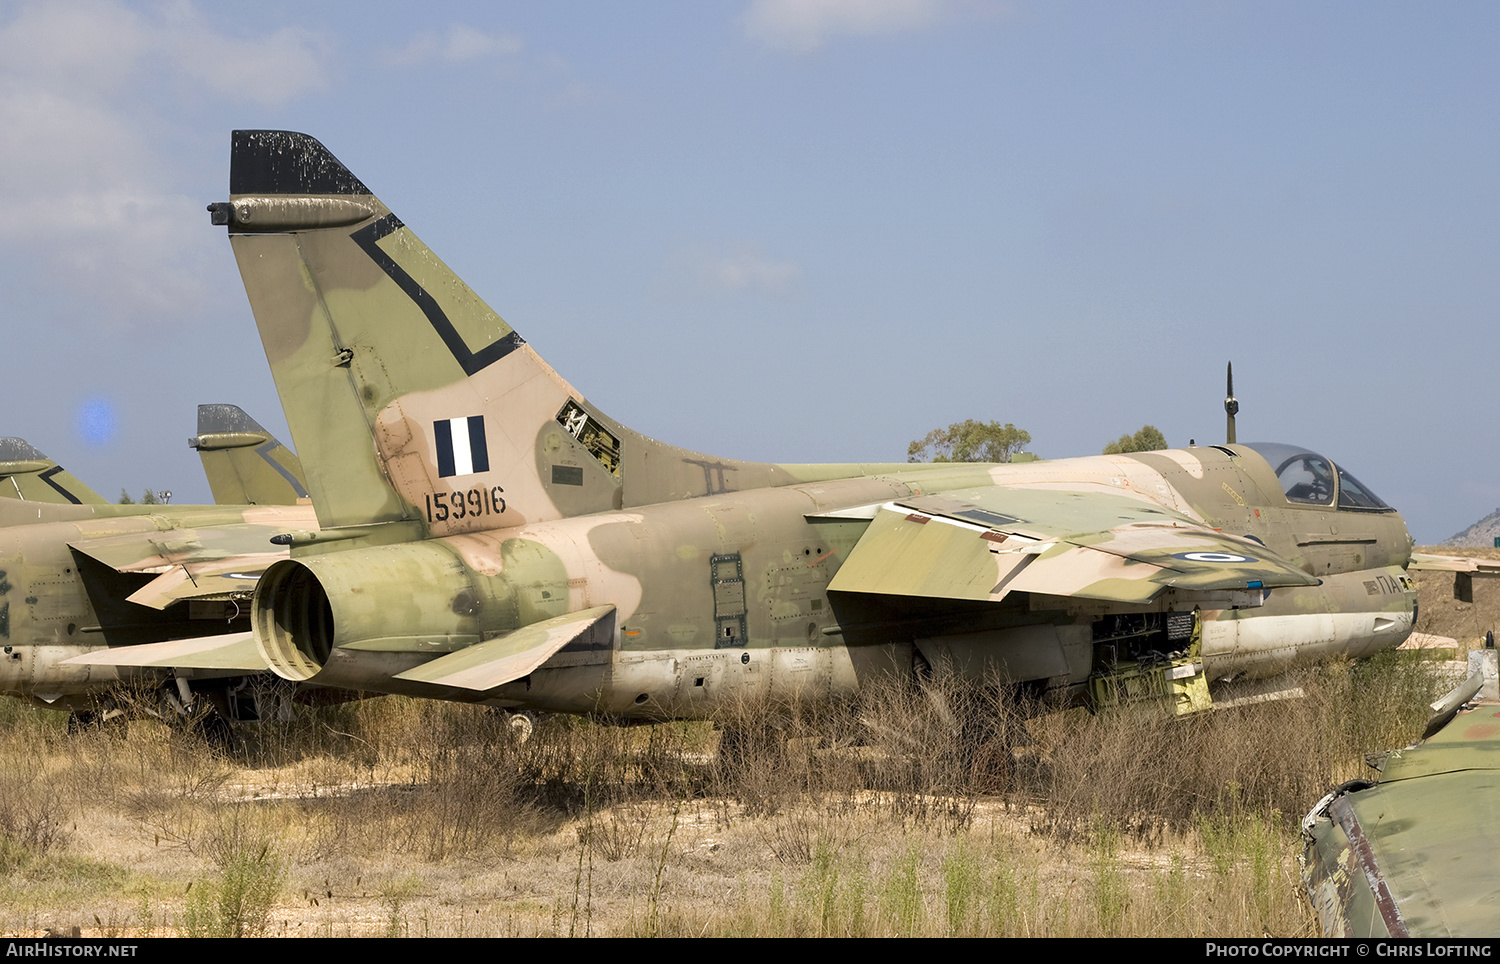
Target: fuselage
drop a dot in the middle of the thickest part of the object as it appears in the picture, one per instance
(727, 596)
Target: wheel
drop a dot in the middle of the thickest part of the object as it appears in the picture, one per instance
(522, 723)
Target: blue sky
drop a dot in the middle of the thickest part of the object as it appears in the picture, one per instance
(803, 231)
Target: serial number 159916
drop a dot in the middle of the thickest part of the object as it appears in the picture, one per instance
(442, 506)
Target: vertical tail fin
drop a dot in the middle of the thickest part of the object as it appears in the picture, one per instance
(27, 474)
(408, 398)
(245, 464)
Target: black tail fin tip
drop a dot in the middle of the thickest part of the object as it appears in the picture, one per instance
(216, 419)
(19, 450)
(286, 162)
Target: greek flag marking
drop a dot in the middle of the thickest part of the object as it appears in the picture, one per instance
(461, 449)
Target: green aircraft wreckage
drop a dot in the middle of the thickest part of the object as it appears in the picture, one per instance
(1411, 854)
(93, 593)
(486, 534)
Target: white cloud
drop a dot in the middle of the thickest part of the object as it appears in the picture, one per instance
(91, 205)
(101, 48)
(79, 46)
(268, 71)
(746, 269)
(460, 44)
(802, 26)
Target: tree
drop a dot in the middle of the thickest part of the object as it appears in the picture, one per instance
(969, 441)
(149, 498)
(1148, 439)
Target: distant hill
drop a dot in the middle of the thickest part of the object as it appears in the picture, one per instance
(1481, 533)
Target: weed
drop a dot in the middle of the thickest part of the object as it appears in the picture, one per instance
(33, 817)
(901, 812)
(654, 899)
(1003, 902)
(394, 893)
(1111, 893)
(962, 880)
(901, 903)
(238, 903)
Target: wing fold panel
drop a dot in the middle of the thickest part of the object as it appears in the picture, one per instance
(1096, 544)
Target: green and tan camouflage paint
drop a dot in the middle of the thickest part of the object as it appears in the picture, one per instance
(1411, 852)
(80, 579)
(488, 535)
(244, 463)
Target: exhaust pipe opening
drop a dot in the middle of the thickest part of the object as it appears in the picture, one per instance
(293, 621)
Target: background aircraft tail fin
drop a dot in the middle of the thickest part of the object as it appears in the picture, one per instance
(25, 473)
(408, 398)
(245, 464)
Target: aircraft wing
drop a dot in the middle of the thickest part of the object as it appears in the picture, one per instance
(191, 563)
(1086, 541)
(493, 662)
(234, 651)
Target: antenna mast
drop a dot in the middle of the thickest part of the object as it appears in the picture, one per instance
(1231, 407)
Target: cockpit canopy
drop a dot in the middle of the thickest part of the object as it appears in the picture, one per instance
(1308, 478)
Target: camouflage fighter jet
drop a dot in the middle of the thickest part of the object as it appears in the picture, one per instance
(93, 593)
(488, 535)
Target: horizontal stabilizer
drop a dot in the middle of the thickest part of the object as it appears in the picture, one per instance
(193, 563)
(494, 662)
(220, 579)
(232, 651)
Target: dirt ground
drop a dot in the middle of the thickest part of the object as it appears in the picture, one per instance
(1441, 614)
(696, 866)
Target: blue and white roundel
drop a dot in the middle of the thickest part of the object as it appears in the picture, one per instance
(1228, 558)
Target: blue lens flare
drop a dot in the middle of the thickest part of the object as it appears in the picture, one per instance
(96, 421)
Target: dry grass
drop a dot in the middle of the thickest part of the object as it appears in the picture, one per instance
(910, 814)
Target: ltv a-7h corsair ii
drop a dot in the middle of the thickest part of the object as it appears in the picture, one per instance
(486, 534)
